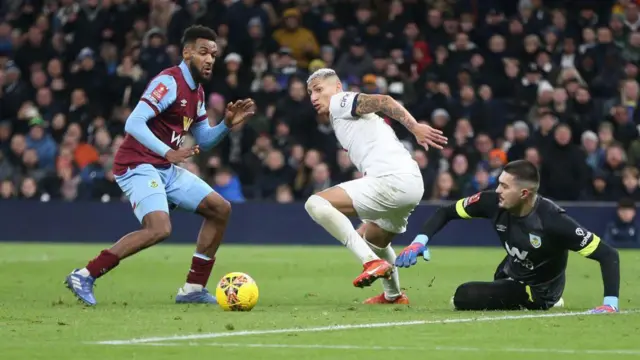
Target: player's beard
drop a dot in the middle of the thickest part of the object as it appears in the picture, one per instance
(197, 74)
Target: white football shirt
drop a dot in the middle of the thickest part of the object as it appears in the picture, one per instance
(372, 145)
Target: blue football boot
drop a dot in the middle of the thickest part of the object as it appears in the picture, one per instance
(81, 287)
(195, 297)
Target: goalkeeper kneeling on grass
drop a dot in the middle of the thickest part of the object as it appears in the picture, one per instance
(536, 234)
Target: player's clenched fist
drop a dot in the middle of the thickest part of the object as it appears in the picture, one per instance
(182, 154)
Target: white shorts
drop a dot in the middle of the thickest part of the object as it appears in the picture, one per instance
(387, 200)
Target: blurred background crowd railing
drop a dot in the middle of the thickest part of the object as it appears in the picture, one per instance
(554, 82)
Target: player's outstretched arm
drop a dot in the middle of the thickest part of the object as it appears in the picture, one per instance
(588, 244)
(209, 136)
(425, 134)
(480, 205)
(609, 260)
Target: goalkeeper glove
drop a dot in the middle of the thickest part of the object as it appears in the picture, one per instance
(409, 256)
(610, 305)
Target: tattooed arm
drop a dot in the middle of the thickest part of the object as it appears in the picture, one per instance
(367, 104)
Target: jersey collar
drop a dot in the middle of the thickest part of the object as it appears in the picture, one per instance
(187, 75)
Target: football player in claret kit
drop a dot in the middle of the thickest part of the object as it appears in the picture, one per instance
(390, 189)
(171, 106)
(537, 235)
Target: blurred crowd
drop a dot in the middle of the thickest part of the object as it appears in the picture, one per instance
(554, 82)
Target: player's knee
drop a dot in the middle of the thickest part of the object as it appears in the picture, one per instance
(157, 225)
(219, 210)
(317, 207)
(464, 297)
(224, 209)
(159, 231)
(215, 207)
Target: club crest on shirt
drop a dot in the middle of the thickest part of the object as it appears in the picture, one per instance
(153, 184)
(535, 241)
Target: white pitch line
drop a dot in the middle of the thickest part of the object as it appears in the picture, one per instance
(335, 328)
(407, 348)
(312, 346)
(534, 350)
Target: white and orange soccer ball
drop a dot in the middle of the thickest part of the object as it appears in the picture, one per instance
(237, 291)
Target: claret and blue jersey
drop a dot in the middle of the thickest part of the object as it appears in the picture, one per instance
(171, 106)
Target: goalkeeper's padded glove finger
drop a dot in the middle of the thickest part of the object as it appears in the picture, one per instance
(426, 255)
(409, 256)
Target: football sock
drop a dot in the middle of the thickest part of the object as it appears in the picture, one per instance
(189, 288)
(101, 264)
(391, 286)
(339, 226)
(198, 276)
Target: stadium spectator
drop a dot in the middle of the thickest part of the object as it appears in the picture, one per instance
(564, 176)
(284, 194)
(623, 230)
(594, 153)
(302, 42)
(228, 185)
(428, 170)
(529, 79)
(276, 173)
(630, 187)
(320, 180)
(42, 143)
(533, 155)
(481, 181)
(443, 188)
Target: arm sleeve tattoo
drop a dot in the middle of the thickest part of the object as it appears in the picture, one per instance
(367, 104)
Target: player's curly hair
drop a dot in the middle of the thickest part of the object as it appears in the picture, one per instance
(195, 32)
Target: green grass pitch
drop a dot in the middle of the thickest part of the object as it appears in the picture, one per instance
(305, 296)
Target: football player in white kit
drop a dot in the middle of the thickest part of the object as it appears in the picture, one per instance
(390, 189)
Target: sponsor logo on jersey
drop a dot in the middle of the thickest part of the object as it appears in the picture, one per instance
(535, 241)
(183, 102)
(585, 236)
(178, 138)
(520, 257)
(159, 92)
(515, 252)
(186, 123)
(343, 102)
(501, 228)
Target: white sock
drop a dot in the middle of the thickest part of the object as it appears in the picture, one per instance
(339, 226)
(189, 288)
(84, 272)
(201, 256)
(391, 286)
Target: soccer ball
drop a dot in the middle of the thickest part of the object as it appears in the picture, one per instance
(237, 291)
